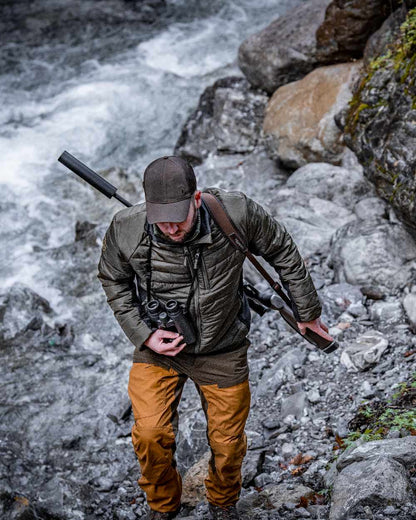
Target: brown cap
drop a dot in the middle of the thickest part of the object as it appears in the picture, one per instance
(169, 184)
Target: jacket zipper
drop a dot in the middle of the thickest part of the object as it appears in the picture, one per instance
(193, 265)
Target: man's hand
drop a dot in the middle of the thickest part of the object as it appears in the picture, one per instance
(156, 342)
(317, 326)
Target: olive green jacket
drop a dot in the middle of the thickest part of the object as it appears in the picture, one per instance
(221, 320)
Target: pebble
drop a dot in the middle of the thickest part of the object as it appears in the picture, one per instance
(302, 513)
(288, 449)
(313, 396)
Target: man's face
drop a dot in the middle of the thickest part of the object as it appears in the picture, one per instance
(179, 231)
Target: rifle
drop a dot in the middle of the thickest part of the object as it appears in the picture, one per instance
(259, 302)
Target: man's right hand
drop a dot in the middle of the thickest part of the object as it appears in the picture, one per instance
(156, 342)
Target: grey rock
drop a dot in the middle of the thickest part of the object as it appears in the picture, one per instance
(295, 405)
(250, 501)
(20, 308)
(338, 298)
(251, 465)
(334, 183)
(288, 450)
(314, 396)
(253, 173)
(386, 313)
(273, 378)
(365, 351)
(366, 390)
(262, 479)
(371, 208)
(228, 118)
(285, 50)
(282, 493)
(378, 253)
(381, 481)
(409, 304)
(311, 221)
(402, 450)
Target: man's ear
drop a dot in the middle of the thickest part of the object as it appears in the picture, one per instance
(198, 199)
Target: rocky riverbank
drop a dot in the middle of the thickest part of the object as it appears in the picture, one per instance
(331, 437)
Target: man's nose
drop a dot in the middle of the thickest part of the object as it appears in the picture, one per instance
(171, 227)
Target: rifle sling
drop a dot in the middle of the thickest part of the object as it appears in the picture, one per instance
(227, 226)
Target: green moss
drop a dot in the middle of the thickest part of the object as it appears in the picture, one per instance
(401, 58)
(374, 421)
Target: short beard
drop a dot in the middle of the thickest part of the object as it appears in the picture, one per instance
(187, 235)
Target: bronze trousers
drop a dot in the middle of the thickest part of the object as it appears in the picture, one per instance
(155, 393)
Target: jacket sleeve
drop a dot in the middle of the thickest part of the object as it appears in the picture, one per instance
(117, 278)
(269, 239)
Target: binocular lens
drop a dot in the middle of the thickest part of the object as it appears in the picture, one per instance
(171, 305)
(153, 305)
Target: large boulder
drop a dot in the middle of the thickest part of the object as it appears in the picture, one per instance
(375, 252)
(228, 119)
(379, 481)
(310, 220)
(285, 50)
(334, 183)
(381, 121)
(318, 199)
(299, 121)
(347, 26)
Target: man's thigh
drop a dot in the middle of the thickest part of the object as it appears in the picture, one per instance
(155, 393)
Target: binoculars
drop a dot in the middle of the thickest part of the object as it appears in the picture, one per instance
(169, 316)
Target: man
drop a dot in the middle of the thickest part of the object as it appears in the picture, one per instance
(172, 249)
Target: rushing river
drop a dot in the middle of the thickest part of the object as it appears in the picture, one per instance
(111, 93)
(112, 82)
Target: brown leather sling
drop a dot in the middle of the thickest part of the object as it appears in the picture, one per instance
(227, 226)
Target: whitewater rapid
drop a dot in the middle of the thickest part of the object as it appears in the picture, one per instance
(122, 109)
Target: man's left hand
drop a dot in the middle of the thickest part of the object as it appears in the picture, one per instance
(317, 326)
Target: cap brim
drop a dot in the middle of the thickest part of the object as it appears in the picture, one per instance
(172, 212)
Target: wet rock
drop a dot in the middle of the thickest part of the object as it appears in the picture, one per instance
(281, 493)
(285, 50)
(299, 121)
(409, 304)
(339, 185)
(375, 252)
(347, 26)
(21, 309)
(381, 481)
(228, 119)
(86, 231)
(365, 352)
(380, 123)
